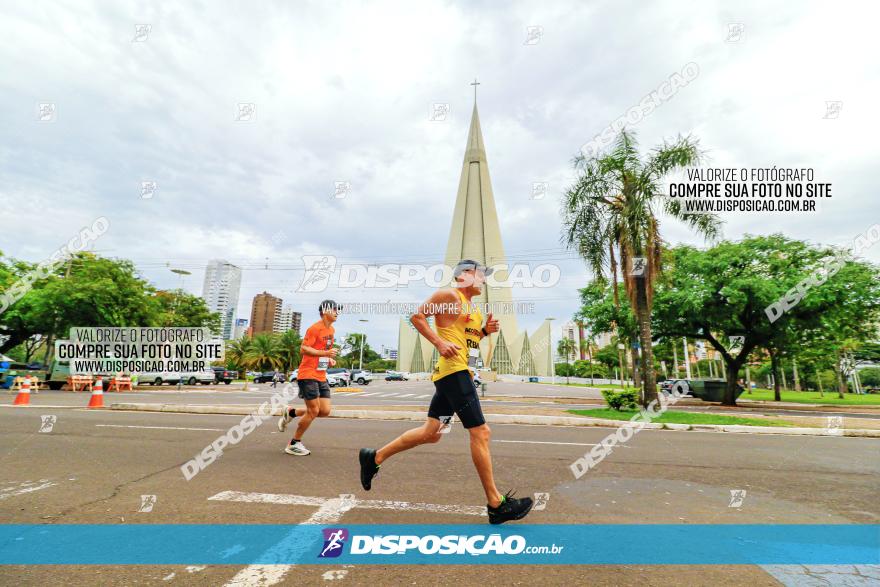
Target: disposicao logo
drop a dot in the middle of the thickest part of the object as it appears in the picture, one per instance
(334, 540)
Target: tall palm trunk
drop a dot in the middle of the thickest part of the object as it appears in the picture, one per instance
(774, 365)
(636, 370)
(617, 307)
(841, 384)
(643, 316)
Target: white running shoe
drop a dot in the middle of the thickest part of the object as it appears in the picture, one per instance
(285, 419)
(298, 449)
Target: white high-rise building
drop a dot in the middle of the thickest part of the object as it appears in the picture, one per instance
(287, 319)
(220, 291)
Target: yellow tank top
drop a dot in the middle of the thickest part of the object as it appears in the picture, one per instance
(466, 332)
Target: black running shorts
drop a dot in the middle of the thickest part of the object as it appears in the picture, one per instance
(313, 389)
(457, 394)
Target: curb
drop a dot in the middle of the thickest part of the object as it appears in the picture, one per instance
(528, 419)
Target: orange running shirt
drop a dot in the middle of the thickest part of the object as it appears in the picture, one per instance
(320, 338)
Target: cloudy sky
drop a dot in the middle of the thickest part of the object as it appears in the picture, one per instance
(344, 92)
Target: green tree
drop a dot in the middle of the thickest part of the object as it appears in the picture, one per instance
(237, 353)
(180, 308)
(566, 348)
(87, 291)
(587, 345)
(352, 351)
(607, 356)
(610, 213)
(289, 344)
(725, 291)
(870, 376)
(602, 310)
(265, 353)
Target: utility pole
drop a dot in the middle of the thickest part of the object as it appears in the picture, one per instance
(363, 336)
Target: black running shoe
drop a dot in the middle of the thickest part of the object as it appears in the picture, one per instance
(510, 508)
(369, 468)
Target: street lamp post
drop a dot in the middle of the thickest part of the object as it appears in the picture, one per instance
(181, 273)
(552, 370)
(361, 360)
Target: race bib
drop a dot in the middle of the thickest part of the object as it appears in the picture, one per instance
(323, 363)
(473, 355)
(446, 424)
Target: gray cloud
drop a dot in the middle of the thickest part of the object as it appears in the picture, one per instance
(344, 92)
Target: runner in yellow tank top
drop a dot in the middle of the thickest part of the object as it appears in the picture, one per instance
(465, 333)
(457, 340)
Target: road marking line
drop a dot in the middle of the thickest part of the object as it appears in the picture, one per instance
(407, 395)
(388, 395)
(158, 427)
(370, 504)
(369, 394)
(279, 498)
(36, 406)
(25, 487)
(424, 396)
(329, 512)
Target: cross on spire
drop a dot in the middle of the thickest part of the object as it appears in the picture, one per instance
(475, 84)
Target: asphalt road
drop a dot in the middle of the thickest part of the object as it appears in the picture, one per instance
(94, 466)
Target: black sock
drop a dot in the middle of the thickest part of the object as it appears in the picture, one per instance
(292, 412)
(293, 441)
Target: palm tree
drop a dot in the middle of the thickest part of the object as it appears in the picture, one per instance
(289, 344)
(610, 213)
(565, 348)
(237, 351)
(265, 353)
(586, 345)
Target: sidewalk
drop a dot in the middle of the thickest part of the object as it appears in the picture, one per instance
(539, 417)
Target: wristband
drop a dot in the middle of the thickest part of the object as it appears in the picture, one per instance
(483, 330)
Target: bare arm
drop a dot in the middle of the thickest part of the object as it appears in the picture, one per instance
(307, 350)
(306, 347)
(434, 306)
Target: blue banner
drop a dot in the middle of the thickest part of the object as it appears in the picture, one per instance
(243, 544)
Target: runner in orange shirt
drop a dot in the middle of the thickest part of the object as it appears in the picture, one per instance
(317, 355)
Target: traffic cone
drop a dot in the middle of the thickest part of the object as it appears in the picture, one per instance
(97, 399)
(24, 393)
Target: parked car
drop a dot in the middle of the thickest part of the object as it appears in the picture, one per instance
(193, 377)
(221, 374)
(337, 379)
(267, 376)
(293, 375)
(362, 377)
(395, 376)
(340, 373)
(666, 386)
(158, 378)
